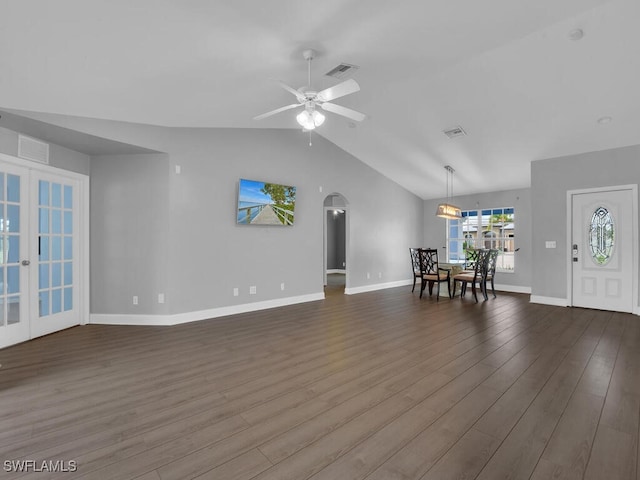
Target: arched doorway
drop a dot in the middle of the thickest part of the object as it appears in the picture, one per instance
(336, 221)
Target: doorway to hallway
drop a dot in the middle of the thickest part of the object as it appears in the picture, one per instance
(335, 242)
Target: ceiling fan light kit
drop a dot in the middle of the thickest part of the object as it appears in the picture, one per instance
(307, 97)
(310, 119)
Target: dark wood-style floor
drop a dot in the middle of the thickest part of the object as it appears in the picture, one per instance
(374, 386)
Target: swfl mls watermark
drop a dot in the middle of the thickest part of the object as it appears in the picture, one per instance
(38, 466)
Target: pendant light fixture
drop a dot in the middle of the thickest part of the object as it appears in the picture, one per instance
(447, 209)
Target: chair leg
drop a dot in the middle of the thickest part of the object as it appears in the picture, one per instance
(423, 285)
(414, 284)
(473, 290)
(438, 293)
(430, 288)
(449, 287)
(454, 289)
(493, 288)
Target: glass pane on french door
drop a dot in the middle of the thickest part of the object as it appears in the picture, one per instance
(55, 253)
(14, 225)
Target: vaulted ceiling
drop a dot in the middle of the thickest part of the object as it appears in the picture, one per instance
(509, 72)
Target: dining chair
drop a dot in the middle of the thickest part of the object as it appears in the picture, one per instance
(475, 277)
(492, 260)
(471, 257)
(415, 265)
(431, 273)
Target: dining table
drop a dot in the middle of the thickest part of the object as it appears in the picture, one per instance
(454, 269)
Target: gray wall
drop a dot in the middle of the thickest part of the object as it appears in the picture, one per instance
(336, 259)
(211, 254)
(435, 228)
(550, 180)
(130, 228)
(207, 254)
(59, 156)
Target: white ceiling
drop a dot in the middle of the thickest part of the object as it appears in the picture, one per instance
(505, 70)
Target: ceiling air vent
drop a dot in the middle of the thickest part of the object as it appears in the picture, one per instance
(343, 70)
(455, 132)
(32, 149)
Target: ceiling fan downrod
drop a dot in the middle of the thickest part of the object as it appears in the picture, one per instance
(309, 55)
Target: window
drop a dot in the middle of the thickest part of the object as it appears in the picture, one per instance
(491, 228)
(601, 236)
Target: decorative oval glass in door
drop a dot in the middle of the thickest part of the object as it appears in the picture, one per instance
(601, 236)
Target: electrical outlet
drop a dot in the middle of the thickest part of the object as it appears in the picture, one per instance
(282, 286)
(161, 298)
(178, 169)
(135, 299)
(368, 275)
(252, 290)
(236, 292)
(344, 264)
(379, 274)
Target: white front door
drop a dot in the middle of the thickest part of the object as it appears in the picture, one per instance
(602, 256)
(41, 264)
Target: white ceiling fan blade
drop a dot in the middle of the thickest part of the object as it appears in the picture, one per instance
(277, 110)
(344, 111)
(292, 90)
(340, 90)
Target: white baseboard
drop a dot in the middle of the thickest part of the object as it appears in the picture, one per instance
(377, 286)
(178, 318)
(562, 302)
(129, 319)
(555, 301)
(337, 270)
(512, 288)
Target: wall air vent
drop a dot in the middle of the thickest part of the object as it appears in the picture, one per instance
(455, 132)
(32, 149)
(343, 70)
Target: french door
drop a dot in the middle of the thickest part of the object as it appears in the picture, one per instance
(602, 249)
(14, 266)
(42, 263)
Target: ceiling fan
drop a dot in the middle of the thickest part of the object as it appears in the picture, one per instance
(307, 97)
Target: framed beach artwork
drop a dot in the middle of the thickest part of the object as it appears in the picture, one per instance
(263, 203)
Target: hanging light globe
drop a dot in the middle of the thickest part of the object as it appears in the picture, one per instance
(310, 119)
